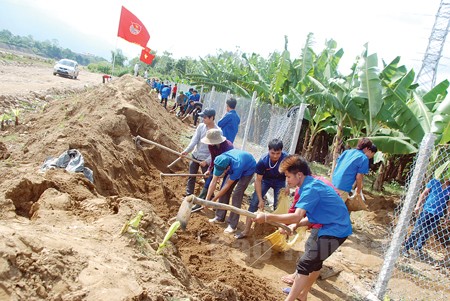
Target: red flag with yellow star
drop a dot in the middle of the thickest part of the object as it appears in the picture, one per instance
(132, 29)
(146, 56)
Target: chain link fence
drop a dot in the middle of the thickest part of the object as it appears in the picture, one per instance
(265, 121)
(417, 253)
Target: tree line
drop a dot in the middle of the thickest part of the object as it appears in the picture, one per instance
(49, 48)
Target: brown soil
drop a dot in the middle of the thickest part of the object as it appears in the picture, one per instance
(59, 233)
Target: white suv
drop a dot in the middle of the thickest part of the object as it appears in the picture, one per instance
(66, 67)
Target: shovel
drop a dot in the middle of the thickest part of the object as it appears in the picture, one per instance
(184, 213)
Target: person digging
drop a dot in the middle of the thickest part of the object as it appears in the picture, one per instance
(217, 145)
(267, 176)
(321, 204)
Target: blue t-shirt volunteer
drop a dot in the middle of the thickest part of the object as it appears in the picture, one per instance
(437, 198)
(350, 163)
(242, 164)
(230, 125)
(324, 206)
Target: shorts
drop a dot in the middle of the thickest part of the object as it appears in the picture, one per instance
(315, 254)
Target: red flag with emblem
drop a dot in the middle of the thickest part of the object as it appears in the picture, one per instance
(146, 56)
(132, 29)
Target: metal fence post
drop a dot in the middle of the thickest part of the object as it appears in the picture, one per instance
(298, 126)
(420, 168)
(211, 94)
(249, 119)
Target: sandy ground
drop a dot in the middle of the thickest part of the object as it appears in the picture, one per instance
(60, 234)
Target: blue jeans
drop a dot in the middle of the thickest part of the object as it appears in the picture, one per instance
(424, 227)
(276, 185)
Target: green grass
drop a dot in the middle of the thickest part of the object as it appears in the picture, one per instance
(320, 169)
(9, 138)
(28, 59)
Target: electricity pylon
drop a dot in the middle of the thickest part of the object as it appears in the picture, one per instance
(430, 63)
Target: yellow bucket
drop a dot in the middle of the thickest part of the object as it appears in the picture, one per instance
(281, 243)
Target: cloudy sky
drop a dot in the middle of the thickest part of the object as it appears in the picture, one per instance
(199, 27)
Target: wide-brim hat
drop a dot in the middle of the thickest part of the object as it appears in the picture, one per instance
(213, 136)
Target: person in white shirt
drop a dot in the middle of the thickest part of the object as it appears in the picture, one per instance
(200, 149)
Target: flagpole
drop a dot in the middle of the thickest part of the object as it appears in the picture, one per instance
(115, 47)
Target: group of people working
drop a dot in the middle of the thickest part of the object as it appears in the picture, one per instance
(318, 203)
(187, 103)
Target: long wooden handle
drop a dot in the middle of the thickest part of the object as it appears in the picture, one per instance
(139, 138)
(182, 174)
(174, 162)
(240, 211)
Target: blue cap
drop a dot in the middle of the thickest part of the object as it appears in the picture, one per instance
(220, 164)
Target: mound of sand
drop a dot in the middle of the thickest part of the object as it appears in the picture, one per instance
(59, 233)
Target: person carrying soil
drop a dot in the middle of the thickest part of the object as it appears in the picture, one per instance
(351, 166)
(239, 166)
(322, 205)
(200, 149)
(267, 176)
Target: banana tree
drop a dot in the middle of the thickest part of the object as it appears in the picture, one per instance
(317, 123)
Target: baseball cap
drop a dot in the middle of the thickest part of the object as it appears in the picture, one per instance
(207, 113)
(181, 92)
(220, 164)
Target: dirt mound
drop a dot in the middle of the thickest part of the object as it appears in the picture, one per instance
(60, 232)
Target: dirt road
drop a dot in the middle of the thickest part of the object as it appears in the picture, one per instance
(20, 79)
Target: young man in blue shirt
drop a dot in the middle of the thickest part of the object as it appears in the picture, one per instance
(239, 166)
(321, 204)
(230, 121)
(267, 176)
(351, 166)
